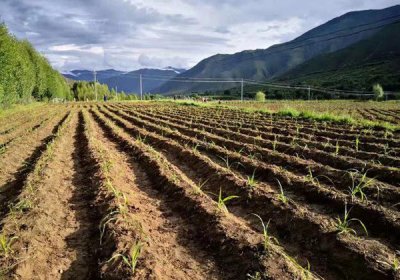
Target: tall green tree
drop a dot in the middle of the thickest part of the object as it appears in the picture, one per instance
(25, 74)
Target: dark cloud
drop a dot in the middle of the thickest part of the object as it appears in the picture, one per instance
(128, 34)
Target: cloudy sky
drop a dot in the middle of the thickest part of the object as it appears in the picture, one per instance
(132, 34)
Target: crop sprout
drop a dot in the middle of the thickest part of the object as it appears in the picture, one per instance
(195, 148)
(327, 143)
(222, 201)
(274, 143)
(254, 155)
(130, 259)
(141, 139)
(343, 225)
(337, 148)
(110, 217)
(5, 244)
(226, 161)
(357, 143)
(255, 276)
(251, 181)
(305, 271)
(268, 239)
(310, 177)
(386, 149)
(282, 197)
(198, 188)
(396, 265)
(357, 189)
(21, 206)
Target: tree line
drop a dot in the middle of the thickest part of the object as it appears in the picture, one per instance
(25, 74)
(86, 91)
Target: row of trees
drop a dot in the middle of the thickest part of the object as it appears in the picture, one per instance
(82, 91)
(25, 74)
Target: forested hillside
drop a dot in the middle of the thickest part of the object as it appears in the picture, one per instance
(25, 74)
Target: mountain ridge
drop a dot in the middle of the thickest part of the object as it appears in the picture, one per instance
(267, 64)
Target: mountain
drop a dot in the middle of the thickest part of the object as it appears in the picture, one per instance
(373, 60)
(128, 81)
(151, 78)
(266, 64)
(87, 75)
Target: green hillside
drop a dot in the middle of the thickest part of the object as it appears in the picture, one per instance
(25, 74)
(373, 60)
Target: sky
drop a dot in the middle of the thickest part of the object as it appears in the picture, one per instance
(133, 34)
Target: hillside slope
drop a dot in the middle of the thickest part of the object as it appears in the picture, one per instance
(270, 63)
(373, 60)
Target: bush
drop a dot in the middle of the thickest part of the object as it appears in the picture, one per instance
(378, 91)
(260, 96)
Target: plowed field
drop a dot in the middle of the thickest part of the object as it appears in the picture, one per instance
(167, 191)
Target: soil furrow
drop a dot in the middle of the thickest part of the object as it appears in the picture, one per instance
(230, 234)
(11, 179)
(256, 203)
(170, 251)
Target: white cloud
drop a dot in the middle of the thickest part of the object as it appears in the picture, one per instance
(129, 34)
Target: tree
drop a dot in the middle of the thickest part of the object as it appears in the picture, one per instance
(378, 91)
(25, 74)
(260, 96)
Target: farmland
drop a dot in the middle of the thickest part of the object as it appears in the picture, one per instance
(159, 190)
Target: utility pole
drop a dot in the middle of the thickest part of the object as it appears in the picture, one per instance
(141, 87)
(309, 93)
(95, 90)
(241, 90)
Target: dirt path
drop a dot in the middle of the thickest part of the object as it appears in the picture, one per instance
(60, 229)
(169, 253)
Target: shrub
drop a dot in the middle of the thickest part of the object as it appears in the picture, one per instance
(378, 91)
(260, 96)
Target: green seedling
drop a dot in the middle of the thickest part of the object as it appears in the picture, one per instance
(357, 143)
(195, 147)
(198, 189)
(228, 164)
(130, 259)
(396, 265)
(5, 245)
(274, 143)
(110, 217)
(255, 276)
(386, 149)
(337, 148)
(267, 238)
(282, 197)
(306, 272)
(326, 144)
(141, 139)
(222, 201)
(251, 181)
(357, 189)
(22, 206)
(310, 176)
(343, 225)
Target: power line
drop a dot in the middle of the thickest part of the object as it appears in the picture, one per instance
(192, 81)
(260, 83)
